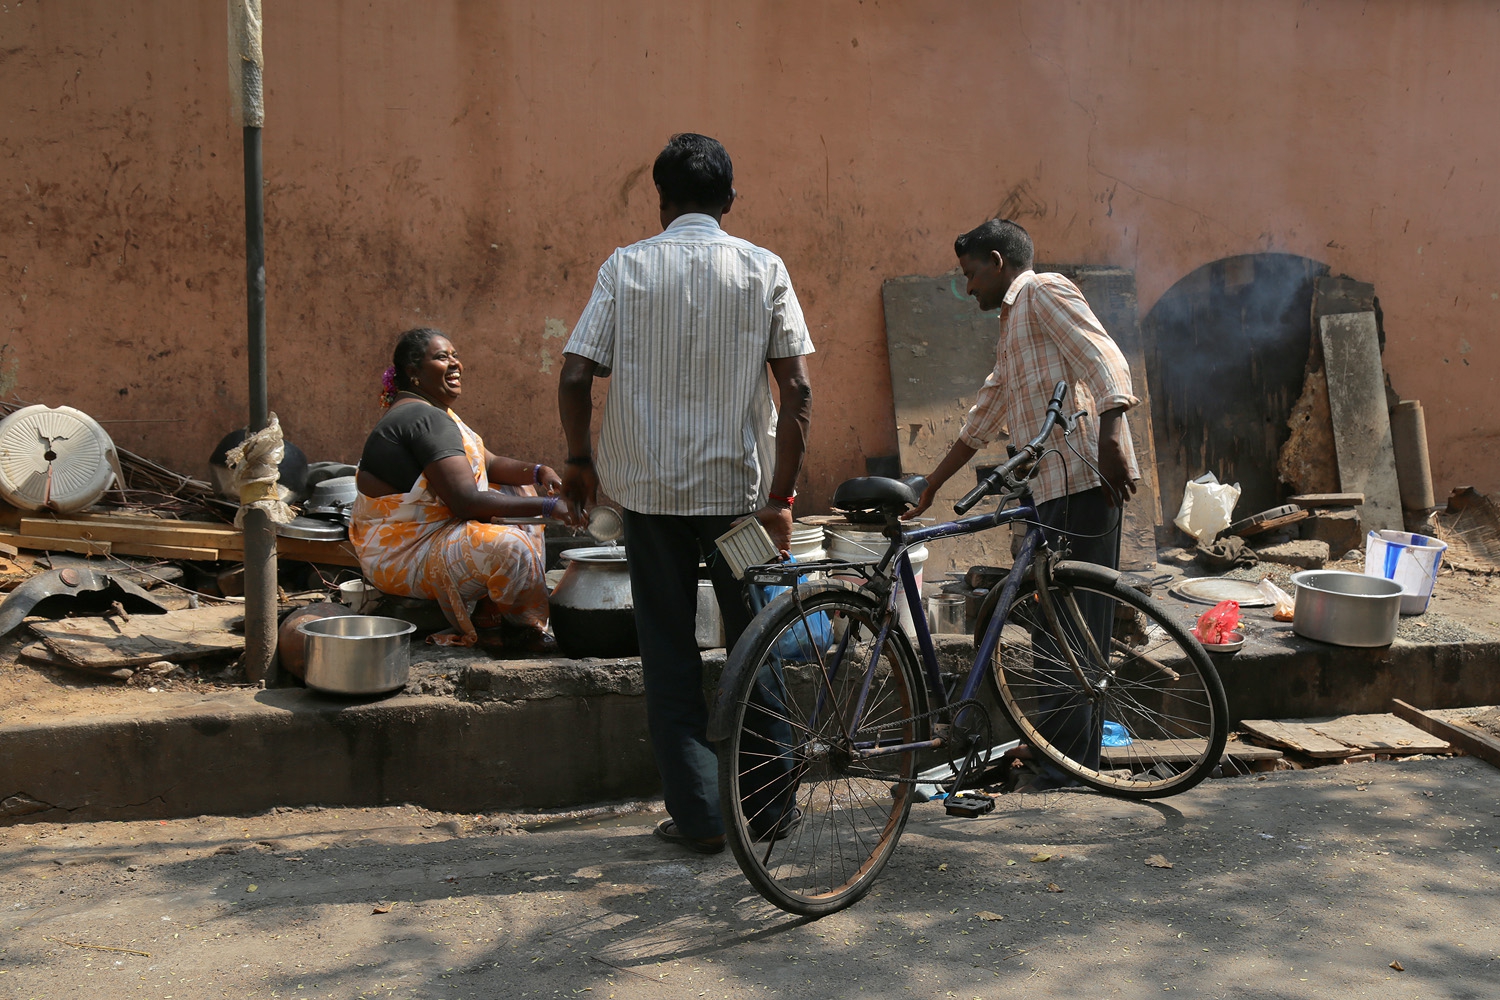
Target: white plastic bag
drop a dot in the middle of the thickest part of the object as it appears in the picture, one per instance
(1207, 507)
(1282, 605)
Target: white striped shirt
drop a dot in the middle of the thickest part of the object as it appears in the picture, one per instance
(686, 321)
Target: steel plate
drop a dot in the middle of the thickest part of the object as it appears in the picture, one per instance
(312, 529)
(1213, 589)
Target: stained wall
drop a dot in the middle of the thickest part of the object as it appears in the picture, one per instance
(469, 165)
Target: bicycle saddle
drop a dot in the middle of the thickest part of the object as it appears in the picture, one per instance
(876, 494)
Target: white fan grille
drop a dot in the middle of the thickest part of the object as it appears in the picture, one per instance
(59, 455)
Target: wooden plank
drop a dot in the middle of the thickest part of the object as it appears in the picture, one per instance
(1312, 500)
(183, 534)
(311, 550)
(111, 643)
(35, 544)
(1382, 733)
(1361, 419)
(1469, 740)
(148, 551)
(1297, 736)
(164, 539)
(1179, 751)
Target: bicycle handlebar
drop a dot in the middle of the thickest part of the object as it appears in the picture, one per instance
(1030, 452)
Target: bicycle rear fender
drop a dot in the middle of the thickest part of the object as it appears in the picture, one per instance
(1085, 572)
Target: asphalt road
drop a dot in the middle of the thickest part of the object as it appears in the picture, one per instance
(1284, 885)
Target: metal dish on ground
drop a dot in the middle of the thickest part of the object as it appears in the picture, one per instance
(357, 654)
(1213, 589)
(1346, 609)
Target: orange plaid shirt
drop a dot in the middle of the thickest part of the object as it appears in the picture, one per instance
(1048, 334)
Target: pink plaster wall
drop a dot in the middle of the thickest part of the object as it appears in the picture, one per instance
(469, 165)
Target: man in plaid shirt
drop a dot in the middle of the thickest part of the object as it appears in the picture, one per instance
(1049, 334)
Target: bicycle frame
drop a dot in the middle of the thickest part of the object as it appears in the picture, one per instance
(926, 650)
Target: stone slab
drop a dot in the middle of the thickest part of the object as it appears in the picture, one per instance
(1301, 553)
(1339, 528)
(1361, 421)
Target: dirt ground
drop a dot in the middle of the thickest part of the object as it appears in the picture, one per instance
(1292, 884)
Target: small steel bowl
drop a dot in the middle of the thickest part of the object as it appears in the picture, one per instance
(357, 654)
(1236, 641)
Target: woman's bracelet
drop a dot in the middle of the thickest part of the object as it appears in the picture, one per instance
(536, 474)
(549, 505)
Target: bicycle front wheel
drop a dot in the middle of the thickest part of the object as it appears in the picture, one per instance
(1107, 688)
(814, 786)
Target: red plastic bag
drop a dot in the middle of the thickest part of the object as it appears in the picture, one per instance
(1217, 624)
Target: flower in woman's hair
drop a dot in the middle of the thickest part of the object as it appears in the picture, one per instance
(388, 386)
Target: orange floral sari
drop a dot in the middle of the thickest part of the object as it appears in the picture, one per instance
(411, 545)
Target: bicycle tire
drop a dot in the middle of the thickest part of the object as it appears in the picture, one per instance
(1161, 688)
(851, 812)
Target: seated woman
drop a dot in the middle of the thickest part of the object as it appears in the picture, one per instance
(428, 488)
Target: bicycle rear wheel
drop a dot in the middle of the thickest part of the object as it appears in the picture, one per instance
(1151, 720)
(810, 822)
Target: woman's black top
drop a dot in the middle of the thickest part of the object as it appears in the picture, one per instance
(407, 440)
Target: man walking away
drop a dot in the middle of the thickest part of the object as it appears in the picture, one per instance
(686, 325)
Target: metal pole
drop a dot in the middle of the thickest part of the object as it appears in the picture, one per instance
(260, 533)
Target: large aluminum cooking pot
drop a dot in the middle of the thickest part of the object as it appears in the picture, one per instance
(1346, 609)
(592, 611)
(357, 654)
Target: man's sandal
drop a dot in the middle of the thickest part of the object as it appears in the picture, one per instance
(667, 830)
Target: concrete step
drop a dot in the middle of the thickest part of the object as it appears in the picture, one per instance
(547, 733)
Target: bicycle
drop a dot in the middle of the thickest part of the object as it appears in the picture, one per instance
(824, 711)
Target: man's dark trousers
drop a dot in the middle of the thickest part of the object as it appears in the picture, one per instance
(663, 552)
(1090, 529)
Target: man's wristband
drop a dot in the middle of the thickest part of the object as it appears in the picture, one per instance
(785, 502)
(579, 460)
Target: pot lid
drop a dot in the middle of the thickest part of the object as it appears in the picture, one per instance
(339, 491)
(605, 554)
(58, 458)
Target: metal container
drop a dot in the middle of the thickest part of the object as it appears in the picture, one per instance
(945, 614)
(592, 611)
(1346, 609)
(357, 654)
(708, 628)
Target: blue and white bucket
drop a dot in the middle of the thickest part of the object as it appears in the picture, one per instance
(1411, 560)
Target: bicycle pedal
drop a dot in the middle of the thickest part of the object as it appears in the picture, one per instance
(968, 804)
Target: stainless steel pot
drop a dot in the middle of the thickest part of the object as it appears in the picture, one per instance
(357, 654)
(592, 610)
(1346, 609)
